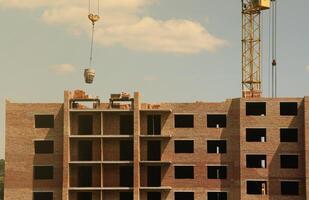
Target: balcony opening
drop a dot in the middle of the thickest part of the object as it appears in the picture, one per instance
(43, 147)
(126, 195)
(84, 176)
(43, 172)
(289, 161)
(154, 124)
(44, 121)
(126, 150)
(256, 134)
(289, 188)
(289, 135)
(216, 195)
(288, 108)
(184, 146)
(216, 121)
(84, 195)
(184, 121)
(85, 150)
(257, 187)
(126, 124)
(256, 161)
(216, 146)
(42, 196)
(184, 195)
(85, 124)
(153, 195)
(184, 172)
(216, 172)
(126, 176)
(256, 108)
(154, 150)
(154, 176)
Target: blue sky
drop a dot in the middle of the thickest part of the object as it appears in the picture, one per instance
(169, 50)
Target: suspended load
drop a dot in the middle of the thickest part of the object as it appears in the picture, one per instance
(89, 73)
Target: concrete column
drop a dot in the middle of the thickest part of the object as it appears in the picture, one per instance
(306, 133)
(137, 131)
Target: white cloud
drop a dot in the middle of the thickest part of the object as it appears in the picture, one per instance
(62, 69)
(122, 25)
(307, 68)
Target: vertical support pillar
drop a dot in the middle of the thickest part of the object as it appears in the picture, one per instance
(306, 143)
(102, 158)
(136, 108)
(66, 148)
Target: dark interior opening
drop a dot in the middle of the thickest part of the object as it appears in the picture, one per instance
(84, 195)
(216, 146)
(126, 124)
(84, 176)
(44, 121)
(217, 172)
(216, 195)
(85, 124)
(43, 172)
(256, 108)
(126, 176)
(42, 196)
(184, 195)
(126, 150)
(154, 150)
(288, 108)
(256, 134)
(216, 121)
(184, 121)
(256, 161)
(154, 176)
(184, 146)
(84, 150)
(184, 172)
(290, 188)
(154, 124)
(288, 135)
(153, 195)
(126, 195)
(44, 147)
(257, 187)
(289, 161)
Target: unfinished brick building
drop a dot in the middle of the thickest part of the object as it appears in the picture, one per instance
(82, 149)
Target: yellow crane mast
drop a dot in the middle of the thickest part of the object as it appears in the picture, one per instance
(251, 46)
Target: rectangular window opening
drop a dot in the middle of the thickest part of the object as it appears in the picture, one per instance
(126, 195)
(154, 176)
(184, 196)
(126, 176)
(43, 147)
(216, 121)
(85, 150)
(153, 195)
(256, 161)
(256, 108)
(84, 176)
(184, 172)
(154, 150)
(216, 195)
(184, 146)
(257, 187)
(44, 121)
(289, 161)
(126, 124)
(256, 134)
(290, 188)
(216, 146)
(126, 150)
(154, 124)
(42, 196)
(184, 121)
(216, 172)
(288, 108)
(85, 124)
(288, 135)
(43, 172)
(84, 195)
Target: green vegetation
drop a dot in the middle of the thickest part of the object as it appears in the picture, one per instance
(1, 178)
